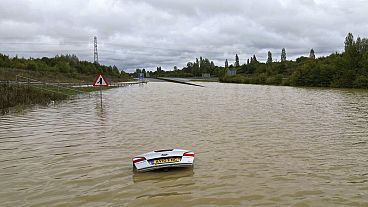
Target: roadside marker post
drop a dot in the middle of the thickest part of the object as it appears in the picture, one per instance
(100, 81)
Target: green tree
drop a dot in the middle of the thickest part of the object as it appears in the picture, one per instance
(361, 81)
(189, 68)
(283, 55)
(31, 65)
(281, 68)
(64, 67)
(311, 54)
(253, 59)
(115, 71)
(349, 41)
(269, 57)
(200, 64)
(237, 64)
(5, 61)
(212, 68)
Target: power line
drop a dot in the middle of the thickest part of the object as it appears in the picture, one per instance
(132, 47)
(45, 43)
(43, 51)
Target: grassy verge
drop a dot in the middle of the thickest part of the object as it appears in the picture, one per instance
(19, 96)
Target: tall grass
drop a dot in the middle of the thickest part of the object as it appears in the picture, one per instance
(14, 95)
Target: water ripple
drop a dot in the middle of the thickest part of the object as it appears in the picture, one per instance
(255, 146)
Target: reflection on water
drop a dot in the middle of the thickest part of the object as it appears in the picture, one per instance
(255, 146)
(171, 174)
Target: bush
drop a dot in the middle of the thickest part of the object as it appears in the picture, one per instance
(31, 66)
(14, 95)
(361, 81)
(274, 80)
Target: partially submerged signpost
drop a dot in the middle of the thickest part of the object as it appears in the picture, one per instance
(141, 77)
(100, 81)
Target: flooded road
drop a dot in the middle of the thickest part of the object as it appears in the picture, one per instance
(255, 146)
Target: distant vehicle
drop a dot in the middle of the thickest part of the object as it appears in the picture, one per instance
(160, 159)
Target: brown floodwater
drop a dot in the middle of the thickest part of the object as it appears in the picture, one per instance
(255, 146)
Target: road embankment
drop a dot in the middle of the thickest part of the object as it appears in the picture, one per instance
(22, 95)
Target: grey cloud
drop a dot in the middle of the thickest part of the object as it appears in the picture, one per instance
(146, 34)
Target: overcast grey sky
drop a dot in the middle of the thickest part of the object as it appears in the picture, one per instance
(149, 33)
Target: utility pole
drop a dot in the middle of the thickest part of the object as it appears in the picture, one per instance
(95, 53)
(95, 60)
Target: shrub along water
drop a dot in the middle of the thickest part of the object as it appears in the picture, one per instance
(15, 95)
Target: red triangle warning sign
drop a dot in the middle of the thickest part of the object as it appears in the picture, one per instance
(100, 81)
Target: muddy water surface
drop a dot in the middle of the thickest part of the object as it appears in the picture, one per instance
(255, 146)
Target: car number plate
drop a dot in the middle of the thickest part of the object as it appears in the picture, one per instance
(165, 160)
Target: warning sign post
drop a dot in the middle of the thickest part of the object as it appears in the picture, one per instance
(100, 81)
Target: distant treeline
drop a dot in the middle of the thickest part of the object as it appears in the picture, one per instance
(66, 64)
(193, 69)
(348, 69)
